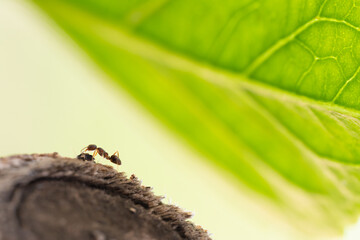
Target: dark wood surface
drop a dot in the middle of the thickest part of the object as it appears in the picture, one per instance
(46, 196)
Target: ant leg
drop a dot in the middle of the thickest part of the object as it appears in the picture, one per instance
(95, 152)
(84, 149)
(116, 153)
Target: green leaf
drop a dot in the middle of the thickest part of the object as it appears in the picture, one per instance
(267, 90)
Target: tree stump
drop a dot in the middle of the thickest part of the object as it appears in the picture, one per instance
(46, 196)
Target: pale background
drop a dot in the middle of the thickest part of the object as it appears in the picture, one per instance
(53, 98)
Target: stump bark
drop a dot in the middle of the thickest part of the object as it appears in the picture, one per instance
(46, 196)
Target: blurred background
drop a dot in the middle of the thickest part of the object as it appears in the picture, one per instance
(53, 98)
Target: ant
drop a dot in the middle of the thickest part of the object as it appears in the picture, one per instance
(98, 150)
(85, 157)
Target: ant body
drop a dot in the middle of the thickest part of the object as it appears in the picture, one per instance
(98, 150)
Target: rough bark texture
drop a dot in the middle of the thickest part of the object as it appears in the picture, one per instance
(45, 196)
